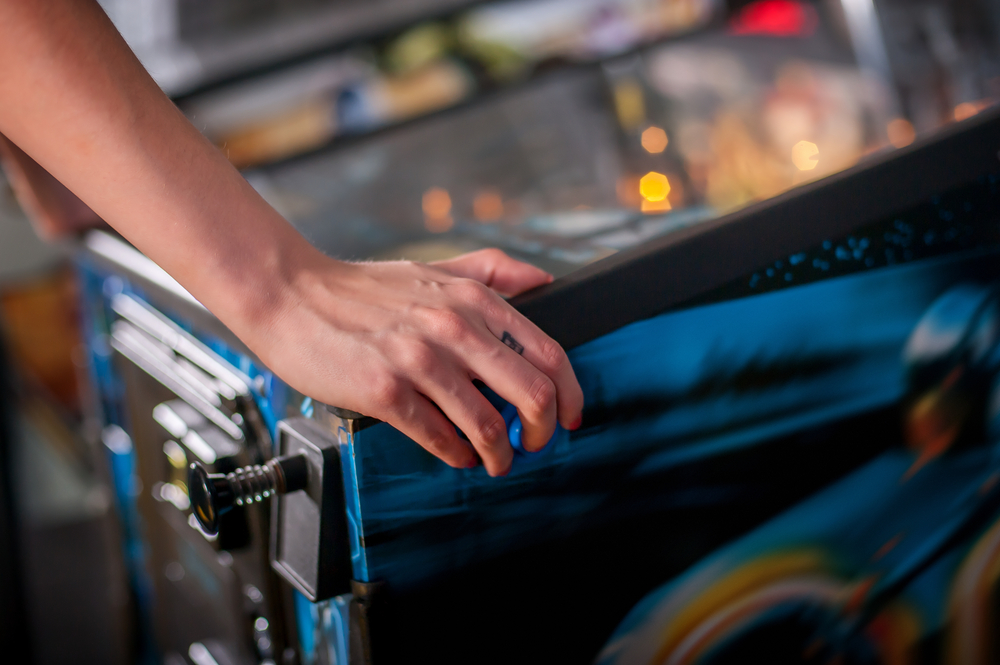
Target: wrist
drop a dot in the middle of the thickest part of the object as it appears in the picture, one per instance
(267, 281)
(281, 280)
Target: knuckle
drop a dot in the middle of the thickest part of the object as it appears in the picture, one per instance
(420, 358)
(490, 431)
(386, 392)
(492, 254)
(450, 324)
(541, 395)
(552, 356)
(474, 292)
(438, 443)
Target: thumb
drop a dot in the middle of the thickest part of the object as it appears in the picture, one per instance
(495, 269)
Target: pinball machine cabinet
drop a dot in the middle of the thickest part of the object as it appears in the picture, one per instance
(746, 466)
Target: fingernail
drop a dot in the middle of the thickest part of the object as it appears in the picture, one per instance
(575, 425)
(471, 464)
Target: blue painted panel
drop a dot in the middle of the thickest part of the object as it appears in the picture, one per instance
(676, 390)
(745, 456)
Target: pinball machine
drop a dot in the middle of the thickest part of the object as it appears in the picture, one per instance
(787, 440)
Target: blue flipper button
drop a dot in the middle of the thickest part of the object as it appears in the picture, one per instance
(514, 429)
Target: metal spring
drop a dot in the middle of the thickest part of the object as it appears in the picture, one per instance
(256, 483)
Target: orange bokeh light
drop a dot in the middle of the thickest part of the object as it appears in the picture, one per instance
(901, 132)
(436, 204)
(654, 186)
(966, 110)
(804, 155)
(654, 140)
(488, 206)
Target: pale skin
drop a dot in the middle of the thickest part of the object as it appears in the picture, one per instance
(390, 340)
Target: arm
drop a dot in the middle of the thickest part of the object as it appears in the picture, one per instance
(53, 210)
(387, 339)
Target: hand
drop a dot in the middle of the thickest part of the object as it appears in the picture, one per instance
(403, 342)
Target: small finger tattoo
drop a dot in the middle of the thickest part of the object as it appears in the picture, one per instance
(509, 340)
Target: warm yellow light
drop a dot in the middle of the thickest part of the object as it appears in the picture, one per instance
(804, 155)
(901, 132)
(437, 210)
(654, 140)
(487, 206)
(654, 186)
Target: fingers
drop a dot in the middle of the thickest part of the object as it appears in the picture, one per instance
(416, 417)
(522, 384)
(477, 418)
(524, 338)
(523, 365)
(542, 398)
(496, 270)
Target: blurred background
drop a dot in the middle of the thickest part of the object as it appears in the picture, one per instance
(560, 130)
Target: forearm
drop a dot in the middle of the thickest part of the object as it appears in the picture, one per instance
(402, 342)
(74, 97)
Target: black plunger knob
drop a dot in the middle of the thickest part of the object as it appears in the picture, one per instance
(214, 494)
